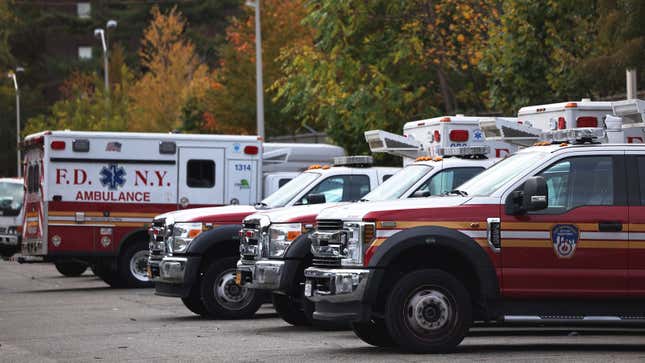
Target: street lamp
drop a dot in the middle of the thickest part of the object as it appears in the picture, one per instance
(258, 68)
(102, 34)
(12, 75)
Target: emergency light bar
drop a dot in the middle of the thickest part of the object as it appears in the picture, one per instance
(358, 160)
(629, 107)
(464, 150)
(575, 136)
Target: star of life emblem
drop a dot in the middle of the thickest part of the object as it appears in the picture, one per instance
(112, 176)
(565, 240)
(478, 135)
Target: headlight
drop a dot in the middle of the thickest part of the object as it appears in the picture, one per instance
(359, 237)
(280, 237)
(12, 230)
(182, 235)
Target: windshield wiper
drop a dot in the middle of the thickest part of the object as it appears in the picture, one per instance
(457, 192)
(261, 205)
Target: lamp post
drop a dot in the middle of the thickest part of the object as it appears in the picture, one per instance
(102, 34)
(12, 75)
(258, 68)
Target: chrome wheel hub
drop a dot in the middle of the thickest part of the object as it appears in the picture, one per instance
(139, 265)
(229, 294)
(428, 311)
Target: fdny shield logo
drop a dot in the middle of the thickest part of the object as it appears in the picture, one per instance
(565, 239)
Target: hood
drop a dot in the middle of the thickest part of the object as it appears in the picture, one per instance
(294, 214)
(356, 211)
(230, 213)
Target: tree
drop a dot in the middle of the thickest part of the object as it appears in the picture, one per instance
(378, 64)
(173, 74)
(230, 103)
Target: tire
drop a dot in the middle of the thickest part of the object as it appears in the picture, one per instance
(132, 265)
(71, 268)
(373, 333)
(194, 302)
(428, 311)
(290, 310)
(223, 298)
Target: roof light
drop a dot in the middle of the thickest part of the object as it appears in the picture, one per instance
(421, 123)
(575, 136)
(251, 150)
(358, 160)
(325, 167)
(464, 150)
(437, 136)
(58, 145)
(562, 123)
(167, 147)
(587, 121)
(459, 135)
(437, 158)
(445, 119)
(81, 145)
(314, 166)
(571, 105)
(423, 158)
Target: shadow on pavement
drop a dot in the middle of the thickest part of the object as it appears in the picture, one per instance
(180, 318)
(71, 289)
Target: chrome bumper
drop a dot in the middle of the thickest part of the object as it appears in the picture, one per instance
(10, 240)
(335, 285)
(172, 270)
(261, 275)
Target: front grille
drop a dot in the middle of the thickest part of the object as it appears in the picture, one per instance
(251, 225)
(320, 261)
(3, 230)
(330, 225)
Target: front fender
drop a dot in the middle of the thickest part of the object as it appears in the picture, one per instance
(429, 236)
(297, 257)
(217, 235)
(300, 248)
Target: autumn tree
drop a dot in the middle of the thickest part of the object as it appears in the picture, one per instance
(230, 104)
(378, 64)
(173, 73)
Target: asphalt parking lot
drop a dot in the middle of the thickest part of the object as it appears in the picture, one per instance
(46, 317)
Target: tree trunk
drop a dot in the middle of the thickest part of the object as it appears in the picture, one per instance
(445, 92)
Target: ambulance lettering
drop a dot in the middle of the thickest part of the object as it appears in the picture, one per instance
(565, 239)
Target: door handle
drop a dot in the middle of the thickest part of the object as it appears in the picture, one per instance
(610, 226)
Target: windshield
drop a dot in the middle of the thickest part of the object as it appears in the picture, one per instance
(494, 177)
(11, 196)
(288, 192)
(399, 183)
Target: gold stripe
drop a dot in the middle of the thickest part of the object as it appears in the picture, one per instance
(634, 227)
(100, 214)
(637, 245)
(543, 243)
(106, 223)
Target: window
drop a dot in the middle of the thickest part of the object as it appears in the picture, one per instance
(386, 177)
(282, 182)
(84, 53)
(341, 188)
(84, 10)
(641, 178)
(200, 173)
(579, 181)
(445, 181)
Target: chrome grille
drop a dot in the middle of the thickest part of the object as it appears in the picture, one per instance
(330, 225)
(321, 261)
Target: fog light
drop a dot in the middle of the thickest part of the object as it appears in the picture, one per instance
(56, 240)
(344, 284)
(105, 241)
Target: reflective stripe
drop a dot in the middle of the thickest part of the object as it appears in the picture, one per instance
(385, 233)
(621, 236)
(525, 234)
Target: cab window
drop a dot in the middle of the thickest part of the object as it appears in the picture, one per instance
(445, 181)
(579, 181)
(283, 181)
(341, 188)
(200, 173)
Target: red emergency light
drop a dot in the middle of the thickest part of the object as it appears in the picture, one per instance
(459, 135)
(437, 136)
(251, 150)
(562, 123)
(587, 121)
(58, 145)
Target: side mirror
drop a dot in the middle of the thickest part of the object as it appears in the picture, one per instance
(316, 199)
(533, 196)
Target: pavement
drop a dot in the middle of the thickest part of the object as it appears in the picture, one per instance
(47, 317)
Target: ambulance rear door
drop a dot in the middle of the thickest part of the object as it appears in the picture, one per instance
(201, 176)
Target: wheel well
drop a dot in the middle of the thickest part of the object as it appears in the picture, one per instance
(219, 250)
(436, 257)
(133, 237)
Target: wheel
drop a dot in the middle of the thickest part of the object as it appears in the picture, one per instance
(428, 311)
(222, 297)
(133, 264)
(194, 302)
(373, 333)
(290, 310)
(70, 268)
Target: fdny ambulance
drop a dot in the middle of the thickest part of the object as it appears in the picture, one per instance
(193, 253)
(275, 247)
(11, 215)
(551, 234)
(90, 196)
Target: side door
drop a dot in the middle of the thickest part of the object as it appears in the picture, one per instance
(577, 246)
(636, 177)
(340, 188)
(200, 177)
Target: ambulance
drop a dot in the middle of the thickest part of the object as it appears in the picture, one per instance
(11, 215)
(90, 196)
(440, 154)
(550, 235)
